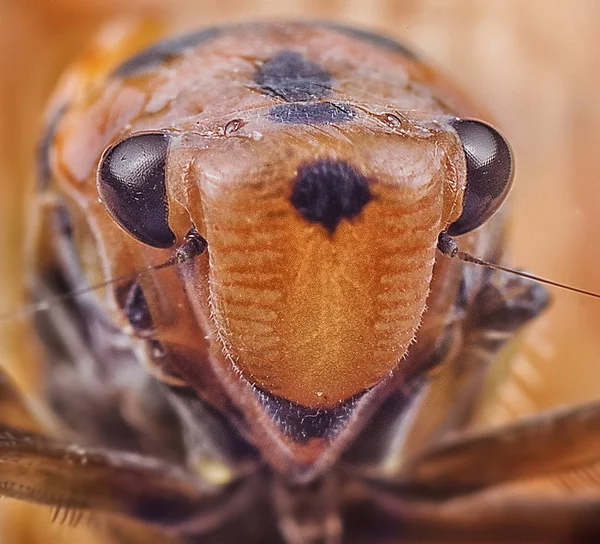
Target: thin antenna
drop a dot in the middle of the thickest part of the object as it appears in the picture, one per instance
(193, 246)
(448, 246)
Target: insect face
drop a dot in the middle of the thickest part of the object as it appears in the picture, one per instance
(264, 204)
(321, 212)
(321, 247)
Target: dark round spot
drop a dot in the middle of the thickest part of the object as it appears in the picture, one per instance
(314, 113)
(489, 174)
(293, 78)
(131, 183)
(327, 191)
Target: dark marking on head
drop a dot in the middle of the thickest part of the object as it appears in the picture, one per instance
(137, 311)
(292, 77)
(303, 424)
(44, 171)
(385, 42)
(327, 191)
(314, 113)
(163, 51)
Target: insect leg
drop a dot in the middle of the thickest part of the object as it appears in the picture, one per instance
(514, 521)
(539, 446)
(37, 469)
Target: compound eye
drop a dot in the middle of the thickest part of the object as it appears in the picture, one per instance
(489, 174)
(132, 187)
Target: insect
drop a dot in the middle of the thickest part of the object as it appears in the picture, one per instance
(257, 331)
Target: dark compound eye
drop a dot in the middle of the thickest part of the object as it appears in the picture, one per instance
(131, 183)
(489, 174)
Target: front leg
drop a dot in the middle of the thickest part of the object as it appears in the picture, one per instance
(540, 446)
(143, 489)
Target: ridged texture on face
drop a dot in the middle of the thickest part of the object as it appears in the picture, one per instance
(311, 315)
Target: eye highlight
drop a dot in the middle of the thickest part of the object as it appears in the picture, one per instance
(132, 186)
(490, 174)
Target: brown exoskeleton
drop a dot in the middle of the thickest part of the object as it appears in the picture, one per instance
(282, 349)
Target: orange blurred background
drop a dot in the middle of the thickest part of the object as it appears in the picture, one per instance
(533, 63)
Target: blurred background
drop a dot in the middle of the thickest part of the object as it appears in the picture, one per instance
(534, 64)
